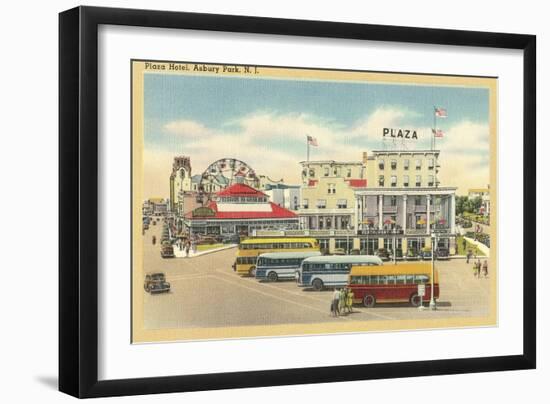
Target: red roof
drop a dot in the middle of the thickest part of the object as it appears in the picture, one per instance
(240, 190)
(357, 183)
(277, 212)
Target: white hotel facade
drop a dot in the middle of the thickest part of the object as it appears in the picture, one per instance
(390, 199)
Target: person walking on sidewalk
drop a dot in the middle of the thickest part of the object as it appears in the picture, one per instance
(187, 246)
(335, 303)
(485, 268)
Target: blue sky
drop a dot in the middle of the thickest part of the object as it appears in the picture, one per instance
(208, 117)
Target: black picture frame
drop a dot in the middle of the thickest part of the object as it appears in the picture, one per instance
(78, 196)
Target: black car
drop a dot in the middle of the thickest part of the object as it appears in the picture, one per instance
(383, 254)
(442, 253)
(156, 283)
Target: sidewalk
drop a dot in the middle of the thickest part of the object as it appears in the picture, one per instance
(181, 253)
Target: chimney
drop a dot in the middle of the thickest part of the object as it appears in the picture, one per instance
(365, 155)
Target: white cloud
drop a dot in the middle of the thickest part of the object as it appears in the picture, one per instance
(187, 127)
(273, 144)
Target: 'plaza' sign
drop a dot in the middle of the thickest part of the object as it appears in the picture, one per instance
(398, 133)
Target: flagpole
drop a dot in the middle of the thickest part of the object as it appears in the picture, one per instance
(435, 129)
(307, 145)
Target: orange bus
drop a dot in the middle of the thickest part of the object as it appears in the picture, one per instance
(392, 283)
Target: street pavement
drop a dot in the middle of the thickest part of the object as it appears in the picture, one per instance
(205, 292)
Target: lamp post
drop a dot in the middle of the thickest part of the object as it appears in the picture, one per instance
(394, 243)
(432, 300)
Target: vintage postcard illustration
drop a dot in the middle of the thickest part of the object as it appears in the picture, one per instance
(275, 201)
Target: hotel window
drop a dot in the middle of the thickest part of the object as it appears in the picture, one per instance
(406, 164)
(418, 180)
(418, 164)
(393, 200)
(331, 188)
(405, 180)
(305, 203)
(417, 200)
(430, 164)
(381, 164)
(393, 180)
(311, 172)
(349, 173)
(326, 171)
(430, 180)
(337, 171)
(394, 164)
(342, 204)
(381, 181)
(321, 203)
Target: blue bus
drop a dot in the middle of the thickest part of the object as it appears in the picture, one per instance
(330, 270)
(281, 265)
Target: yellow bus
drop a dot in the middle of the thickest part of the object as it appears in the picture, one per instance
(249, 249)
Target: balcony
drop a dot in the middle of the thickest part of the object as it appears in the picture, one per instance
(420, 208)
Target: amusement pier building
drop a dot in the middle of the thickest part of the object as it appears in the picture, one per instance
(240, 209)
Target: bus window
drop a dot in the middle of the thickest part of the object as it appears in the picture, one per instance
(391, 279)
(374, 279)
(382, 279)
(410, 279)
(355, 280)
(400, 280)
(421, 279)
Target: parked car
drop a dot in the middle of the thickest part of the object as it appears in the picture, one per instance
(156, 283)
(339, 251)
(425, 254)
(442, 253)
(167, 250)
(231, 239)
(384, 254)
(208, 240)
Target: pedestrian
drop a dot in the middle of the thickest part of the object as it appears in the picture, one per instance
(468, 256)
(187, 246)
(478, 266)
(154, 240)
(485, 268)
(464, 244)
(335, 302)
(342, 300)
(349, 300)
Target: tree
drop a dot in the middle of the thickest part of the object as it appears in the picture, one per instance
(460, 204)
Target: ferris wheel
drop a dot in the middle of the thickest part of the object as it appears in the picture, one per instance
(223, 173)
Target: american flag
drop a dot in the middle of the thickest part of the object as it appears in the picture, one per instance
(437, 132)
(441, 112)
(312, 141)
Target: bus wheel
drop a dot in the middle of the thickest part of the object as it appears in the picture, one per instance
(272, 276)
(415, 300)
(317, 284)
(369, 301)
(252, 271)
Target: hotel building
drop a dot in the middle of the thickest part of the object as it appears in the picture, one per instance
(404, 202)
(390, 199)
